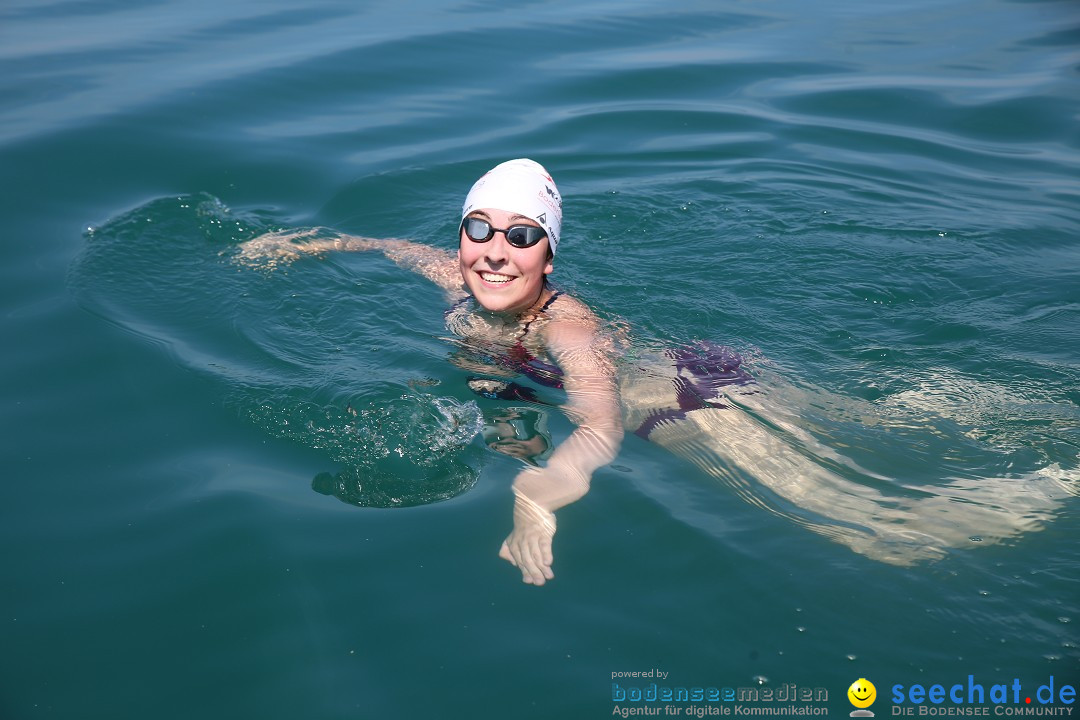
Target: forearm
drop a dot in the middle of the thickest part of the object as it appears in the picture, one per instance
(355, 243)
(439, 266)
(539, 492)
(403, 252)
(568, 474)
(593, 406)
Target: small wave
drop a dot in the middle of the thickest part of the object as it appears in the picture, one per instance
(286, 346)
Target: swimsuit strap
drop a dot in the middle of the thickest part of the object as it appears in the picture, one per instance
(536, 315)
(550, 300)
(524, 362)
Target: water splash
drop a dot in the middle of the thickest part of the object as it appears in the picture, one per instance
(411, 451)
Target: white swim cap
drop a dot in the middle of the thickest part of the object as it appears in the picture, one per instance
(520, 186)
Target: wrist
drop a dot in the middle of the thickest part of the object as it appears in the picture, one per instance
(533, 508)
(547, 490)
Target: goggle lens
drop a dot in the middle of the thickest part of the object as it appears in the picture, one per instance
(520, 236)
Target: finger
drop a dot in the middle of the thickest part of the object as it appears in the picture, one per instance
(504, 553)
(535, 553)
(541, 555)
(532, 575)
(545, 550)
(530, 564)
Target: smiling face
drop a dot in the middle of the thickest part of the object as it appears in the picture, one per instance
(503, 278)
(862, 693)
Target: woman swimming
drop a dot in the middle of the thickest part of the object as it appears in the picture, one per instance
(695, 400)
(497, 281)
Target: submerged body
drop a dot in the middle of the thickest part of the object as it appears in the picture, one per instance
(752, 439)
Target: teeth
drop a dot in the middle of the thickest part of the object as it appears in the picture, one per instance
(495, 277)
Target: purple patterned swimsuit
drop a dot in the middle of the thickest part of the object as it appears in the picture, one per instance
(702, 369)
(710, 366)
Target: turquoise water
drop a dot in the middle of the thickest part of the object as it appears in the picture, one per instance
(876, 204)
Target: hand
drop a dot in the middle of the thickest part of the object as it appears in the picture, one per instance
(528, 547)
(276, 248)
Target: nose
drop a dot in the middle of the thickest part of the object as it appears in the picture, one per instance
(497, 249)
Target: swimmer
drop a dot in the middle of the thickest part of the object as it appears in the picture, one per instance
(697, 400)
(508, 315)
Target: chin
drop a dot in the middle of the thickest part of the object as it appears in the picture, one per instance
(495, 301)
(496, 304)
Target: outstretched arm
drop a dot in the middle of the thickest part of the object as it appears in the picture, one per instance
(439, 266)
(593, 405)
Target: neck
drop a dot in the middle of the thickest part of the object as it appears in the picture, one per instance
(542, 299)
(528, 313)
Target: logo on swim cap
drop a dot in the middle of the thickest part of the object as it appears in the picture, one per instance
(520, 186)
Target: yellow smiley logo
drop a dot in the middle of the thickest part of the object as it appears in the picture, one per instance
(862, 693)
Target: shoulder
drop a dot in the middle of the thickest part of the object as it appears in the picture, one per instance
(573, 326)
(568, 310)
(582, 347)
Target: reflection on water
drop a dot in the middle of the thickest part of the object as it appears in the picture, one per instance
(518, 432)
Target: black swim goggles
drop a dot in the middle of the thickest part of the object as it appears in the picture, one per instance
(520, 236)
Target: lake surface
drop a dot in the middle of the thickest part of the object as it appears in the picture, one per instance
(233, 491)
